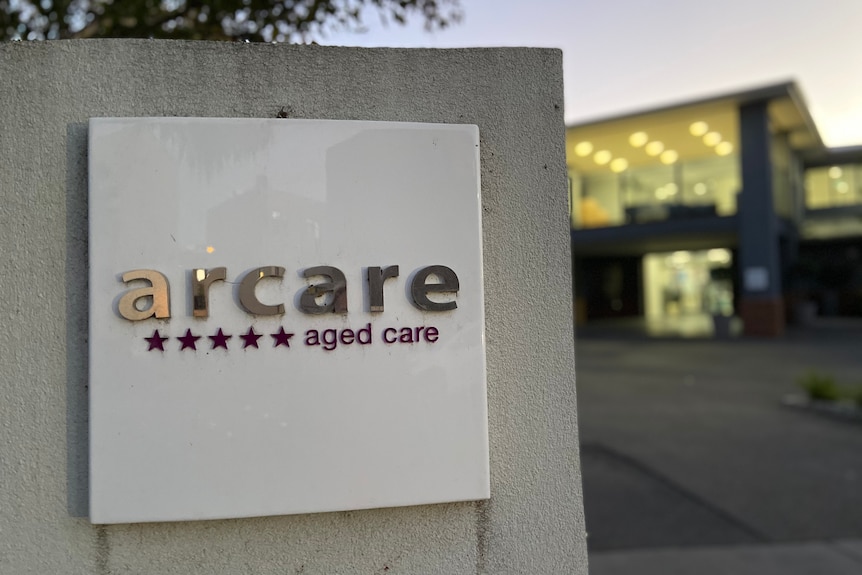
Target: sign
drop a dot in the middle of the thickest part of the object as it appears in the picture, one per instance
(286, 316)
(756, 278)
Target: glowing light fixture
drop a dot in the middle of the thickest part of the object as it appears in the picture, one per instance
(584, 149)
(602, 157)
(681, 257)
(842, 187)
(835, 172)
(638, 139)
(619, 165)
(210, 249)
(666, 191)
(698, 129)
(654, 148)
(711, 138)
(669, 156)
(700, 188)
(718, 256)
(723, 148)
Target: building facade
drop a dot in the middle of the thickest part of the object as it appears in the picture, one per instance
(721, 207)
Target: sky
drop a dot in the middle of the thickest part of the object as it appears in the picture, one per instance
(628, 55)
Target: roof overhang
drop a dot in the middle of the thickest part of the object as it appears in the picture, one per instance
(670, 125)
(640, 239)
(832, 156)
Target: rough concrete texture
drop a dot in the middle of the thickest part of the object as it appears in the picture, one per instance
(533, 522)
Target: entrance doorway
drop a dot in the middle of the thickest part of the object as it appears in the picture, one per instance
(684, 290)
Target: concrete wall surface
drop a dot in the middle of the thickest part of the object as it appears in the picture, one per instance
(533, 522)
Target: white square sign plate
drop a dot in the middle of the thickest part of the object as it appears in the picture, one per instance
(256, 410)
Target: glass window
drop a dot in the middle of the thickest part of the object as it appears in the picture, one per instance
(651, 185)
(596, 201)
(712, 182)
(833, 186)
(699, 188)
(688, 283)
(706, 187)
(648, 192)
(782, 193)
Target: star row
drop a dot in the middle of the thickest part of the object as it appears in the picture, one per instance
(189, 340)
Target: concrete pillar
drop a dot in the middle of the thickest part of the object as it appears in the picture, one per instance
(533, 522)
(761, 306)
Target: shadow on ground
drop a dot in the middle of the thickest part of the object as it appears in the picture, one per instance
(659, 513)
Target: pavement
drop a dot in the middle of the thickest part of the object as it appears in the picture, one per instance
(692, 464)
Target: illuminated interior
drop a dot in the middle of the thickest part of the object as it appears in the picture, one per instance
(671, 164)
(665, 183)
(833, 186)
(688, 283)
(677, 163)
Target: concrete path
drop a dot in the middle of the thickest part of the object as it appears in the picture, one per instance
(691, 463)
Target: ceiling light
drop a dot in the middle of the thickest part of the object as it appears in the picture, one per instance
(584, 149)
(671, 188)
(835, 172)
(619, 165)
(711, 138)
(681, 257)
(719, 256)
(669, 157)
(698, 129)
(700, 188)
(638, 139)
(602, 157)
(842, 187)
(654, 148)
(723, 148)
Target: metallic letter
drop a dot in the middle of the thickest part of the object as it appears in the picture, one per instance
(247, 297)
(337, 286)
(419, 289)
(201, 281)
(376, 277)
(158, 290)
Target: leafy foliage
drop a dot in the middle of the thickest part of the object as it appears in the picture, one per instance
(256, 20)
(820, 386)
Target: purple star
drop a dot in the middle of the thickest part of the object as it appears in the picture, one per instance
(189, 340)
(250, 338)
(281, 338)
(156, 341)
(219, 339)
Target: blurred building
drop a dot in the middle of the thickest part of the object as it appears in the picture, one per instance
(727, 206)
